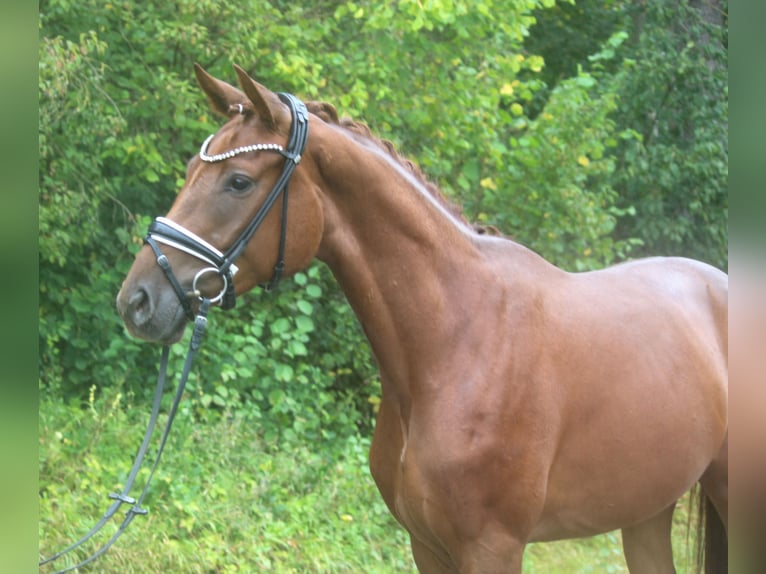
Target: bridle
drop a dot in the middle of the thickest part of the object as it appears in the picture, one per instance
(167, 232)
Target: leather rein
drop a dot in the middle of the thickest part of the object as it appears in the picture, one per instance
(167, 232)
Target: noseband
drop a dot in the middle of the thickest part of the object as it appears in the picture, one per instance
(170, 233)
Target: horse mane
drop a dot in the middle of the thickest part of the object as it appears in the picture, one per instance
(327, 113)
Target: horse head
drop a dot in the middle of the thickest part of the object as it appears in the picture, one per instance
(233, 225)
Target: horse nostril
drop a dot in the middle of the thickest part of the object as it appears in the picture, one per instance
(139, 307)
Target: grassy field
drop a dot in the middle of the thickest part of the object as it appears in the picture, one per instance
(224, 501)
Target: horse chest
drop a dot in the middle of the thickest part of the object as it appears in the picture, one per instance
(400, 475)
(416, 503)
(429, 493)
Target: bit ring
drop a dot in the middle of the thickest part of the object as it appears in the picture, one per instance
(218, 298)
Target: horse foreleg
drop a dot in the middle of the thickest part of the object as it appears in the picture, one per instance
(647, 545)
(476, 558)
(428, 561)
(498, 554)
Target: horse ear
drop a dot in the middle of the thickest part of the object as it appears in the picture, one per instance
(220, 94)
(265, 102)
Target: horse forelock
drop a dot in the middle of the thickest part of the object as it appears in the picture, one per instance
(327, 113)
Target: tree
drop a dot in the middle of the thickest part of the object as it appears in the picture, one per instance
(670, 83)
(676, 174)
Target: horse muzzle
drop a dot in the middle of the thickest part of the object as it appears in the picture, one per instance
(151, 314)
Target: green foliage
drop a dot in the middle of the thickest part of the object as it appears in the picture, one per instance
(669, 81)
(676, 173)
(80, 249)
(560, 178)
(569, 33)
(268, 363)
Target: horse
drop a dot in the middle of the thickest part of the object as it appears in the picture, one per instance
(520, 402)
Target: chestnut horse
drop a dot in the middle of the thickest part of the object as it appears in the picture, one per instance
(520, 402)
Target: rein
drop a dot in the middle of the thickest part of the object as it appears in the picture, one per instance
(123, 497)
(167, 232)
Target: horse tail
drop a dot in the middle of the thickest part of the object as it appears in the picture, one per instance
(713, 546)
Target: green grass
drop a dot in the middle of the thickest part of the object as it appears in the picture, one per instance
(225, 501)
(603, 554)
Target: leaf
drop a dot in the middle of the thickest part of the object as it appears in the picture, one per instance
(280, 326)
(300, 278)
(276, 397)
(304, 324)
(314, 291)
(284, 373)
(305, 307)
(472, 170)
(298, 349)
(585, 81)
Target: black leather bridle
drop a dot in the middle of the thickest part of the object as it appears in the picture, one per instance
(165, 231)
(162, 230)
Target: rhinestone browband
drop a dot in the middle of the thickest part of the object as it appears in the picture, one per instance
(203, 155)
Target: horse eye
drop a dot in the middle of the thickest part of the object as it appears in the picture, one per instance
(239, 183)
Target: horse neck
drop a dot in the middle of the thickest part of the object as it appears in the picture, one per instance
(410, 270)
